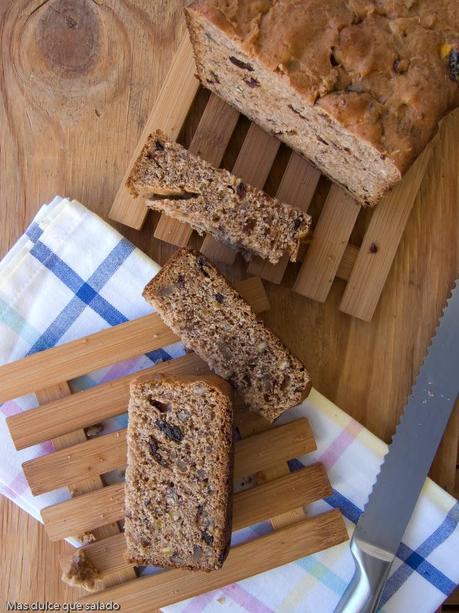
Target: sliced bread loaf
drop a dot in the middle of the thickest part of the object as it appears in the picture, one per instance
(199, 305)
(213, 200)
(179, 472)
(357, 86)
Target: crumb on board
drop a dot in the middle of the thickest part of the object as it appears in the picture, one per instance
(94, 430)
(81, 572)
(86, 538)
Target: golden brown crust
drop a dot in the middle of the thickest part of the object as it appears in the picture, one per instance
(331, 51)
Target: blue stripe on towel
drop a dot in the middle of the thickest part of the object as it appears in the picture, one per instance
(413, 561)
(86, 294)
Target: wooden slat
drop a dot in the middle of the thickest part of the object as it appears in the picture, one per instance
(443, 470)
(78, 410)
(84, 513)
(168, 114)
(252, 165)
(347, 262)
(106, 505)
(253, 505)
(101, 349)
(209, 142)
(275, 471)
(280, 547)
(89, 483)
(57, 418)
(331, 235)
(273, 446)
(96, 456)
(381, 242)
(296, 188)
(84, 355)
(102, 454)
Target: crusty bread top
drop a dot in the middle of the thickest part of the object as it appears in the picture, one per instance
(387, 70)
(213, 381)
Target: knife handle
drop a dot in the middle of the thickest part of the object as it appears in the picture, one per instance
(371, 569)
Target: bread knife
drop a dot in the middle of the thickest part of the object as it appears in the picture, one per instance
(380, 528)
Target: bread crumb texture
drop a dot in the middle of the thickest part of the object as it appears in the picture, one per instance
(200, 306)
(213, 200)
(179, 472)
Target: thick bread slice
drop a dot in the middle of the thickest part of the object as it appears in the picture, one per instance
(189, 189)
(179, 472)
(199, 305)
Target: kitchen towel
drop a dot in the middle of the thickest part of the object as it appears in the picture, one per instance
(67, 277)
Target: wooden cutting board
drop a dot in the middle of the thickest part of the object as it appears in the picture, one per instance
(79, 464)
(64, 106)
(261, 161)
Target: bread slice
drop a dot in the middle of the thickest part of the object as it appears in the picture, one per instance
(179, 482)
(213, 200)
(356, 87)
(199, 305)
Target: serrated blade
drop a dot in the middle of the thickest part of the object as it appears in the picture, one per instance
(416, 440)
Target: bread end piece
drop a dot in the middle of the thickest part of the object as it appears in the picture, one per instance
(315, 129)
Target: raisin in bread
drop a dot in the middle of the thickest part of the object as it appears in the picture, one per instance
(356, 86)
(199, 305)
(179, 472)
(215, 201)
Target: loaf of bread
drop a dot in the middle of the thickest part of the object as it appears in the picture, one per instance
(356, 86)
(179, 472)
(213, 200)
(199, 305)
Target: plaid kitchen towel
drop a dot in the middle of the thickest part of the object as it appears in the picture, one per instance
(71, 275)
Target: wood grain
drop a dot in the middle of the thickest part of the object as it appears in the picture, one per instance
(66, 128)
(280, 547)
(84, 355)
(99, 455)
(331, 235)
(30, 562)
(381, 242)
(106, 505)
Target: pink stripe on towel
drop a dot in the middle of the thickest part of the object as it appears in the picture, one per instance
(336, 449)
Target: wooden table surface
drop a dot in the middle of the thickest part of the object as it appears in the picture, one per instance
(78, 80)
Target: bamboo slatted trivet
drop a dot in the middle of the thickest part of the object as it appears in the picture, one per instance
(331, 254)
(79, 463)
